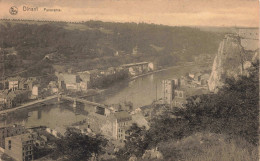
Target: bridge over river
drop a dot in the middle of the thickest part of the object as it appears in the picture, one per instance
(65, 97)
(75, 99)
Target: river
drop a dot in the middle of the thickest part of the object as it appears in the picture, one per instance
(141, 91)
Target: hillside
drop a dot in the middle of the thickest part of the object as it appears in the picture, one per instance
(208, 147)
(94, 44)
(215, 126)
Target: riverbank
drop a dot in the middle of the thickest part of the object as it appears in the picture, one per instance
(160, 70)
(149, 73)
(141, 75)
(92, 93)
(27, 104)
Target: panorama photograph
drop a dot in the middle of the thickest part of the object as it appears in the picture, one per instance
(129, 80)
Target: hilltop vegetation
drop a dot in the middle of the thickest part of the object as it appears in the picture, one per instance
(232, 114)
(93, 44)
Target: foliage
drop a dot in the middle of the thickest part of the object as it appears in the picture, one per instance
(208, 147)
(77, 146)
(41, 152)
(94, 45)
(5, 157)
(233, 112)
(107, 80)
(135, 144)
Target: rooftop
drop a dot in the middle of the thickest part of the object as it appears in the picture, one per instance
(71, 78)
(121, 115)
(134, 64)
(23, 137)
(192, 91)
(11, 126)
(18, 78)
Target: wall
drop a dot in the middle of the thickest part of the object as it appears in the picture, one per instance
(16, 148)
(8, 131)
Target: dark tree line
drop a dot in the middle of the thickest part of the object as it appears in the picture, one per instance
(233, 111)
(78, 147)
(100, 40)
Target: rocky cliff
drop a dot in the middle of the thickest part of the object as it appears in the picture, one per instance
(235, 55)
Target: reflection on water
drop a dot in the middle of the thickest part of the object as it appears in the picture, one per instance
(55, 115)
(140, 92)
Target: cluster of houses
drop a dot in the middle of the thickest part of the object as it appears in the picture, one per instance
(135, 69)
(113, 126)
(112, 122)
(83, 80)
(19, 143)
(16, 90)
(176, 91)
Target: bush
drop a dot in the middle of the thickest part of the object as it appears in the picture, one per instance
(232, 112)
(208, 147)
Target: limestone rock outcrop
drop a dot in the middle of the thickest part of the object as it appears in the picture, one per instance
(234, 57)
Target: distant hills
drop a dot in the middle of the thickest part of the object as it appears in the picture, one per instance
(96, 44)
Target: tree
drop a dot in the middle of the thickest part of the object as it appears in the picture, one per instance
(136, 143)
(77, 146)
(234, 110)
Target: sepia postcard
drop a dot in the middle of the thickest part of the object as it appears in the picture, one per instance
(129, 80)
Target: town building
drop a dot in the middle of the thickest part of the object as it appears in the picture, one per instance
(13, 84)
(176, 91)
(109, 71)
(168, 87)
(4, 85)
(122, 121)
(151, 66)
(20, 147)
(53, 87)
(182, 93)
(179, 98)
(113, 126)
(89, 77)
(53, 132)
(198, 79)
(191, 75)
(10, 131)
(10, 98)
(136, 68)
(35, 92)
(76, 82)
(72, 81)
(19, 83)
(124, 106)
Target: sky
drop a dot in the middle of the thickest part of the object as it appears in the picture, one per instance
(166, 12)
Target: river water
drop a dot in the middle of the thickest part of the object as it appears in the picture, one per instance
(141, 91)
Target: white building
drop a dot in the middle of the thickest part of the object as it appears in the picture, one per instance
(13, 84)
(150, 66)
(35, 91)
